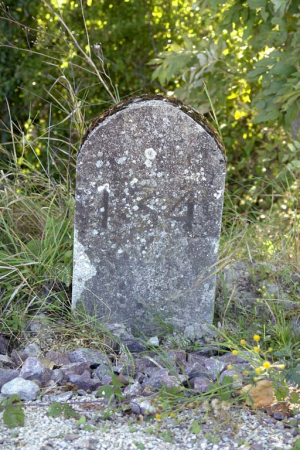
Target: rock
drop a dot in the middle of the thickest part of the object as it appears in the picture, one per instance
(200, 331)
(119, 330)
(33, 369)
(27, 390)
(6, 361)
(178, 356)
(200, 384)
(84, 381)
(37, 323)
(33, 350)
(142, 406)
(231, 373)
(153, 342)
(18, 357)
(134, 345)
(59, 358)
(104, 374)
(142, 364)
(4, 343)
(63, 397)
(133, 390)
(158, 377)
(89, 355)
(76, 368)
(230, 358)
(7, 375)
(57, 376)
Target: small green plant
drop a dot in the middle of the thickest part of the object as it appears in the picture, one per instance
(57, 409)
(13, 413)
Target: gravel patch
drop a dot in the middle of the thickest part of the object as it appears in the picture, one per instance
(226, 430)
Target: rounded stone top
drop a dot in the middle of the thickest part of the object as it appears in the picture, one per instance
(188, 110)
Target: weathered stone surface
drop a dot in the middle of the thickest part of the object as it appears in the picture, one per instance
(25, 389)
(142, 406)
(3, 345)
(75, 368)
(32, 369)
(133, 390)
(150, 182)
(84, 381)
(7, 375)
(58, 358)
(200, 384)
(89, 355)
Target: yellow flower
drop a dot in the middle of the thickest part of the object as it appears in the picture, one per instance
(281, 366)
(229, 367)
(243, 342)
(255, 378)
(234, 352)
(256, 337)
(172, 415)
(245, 373)
(266, 365)
(234, 377)
(256, 349)
(258, 370)
(157, 416)
(270, 349)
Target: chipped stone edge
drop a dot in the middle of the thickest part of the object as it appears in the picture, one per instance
(82, 268)
(188, 110)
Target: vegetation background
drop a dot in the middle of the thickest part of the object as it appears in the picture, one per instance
(63, 62)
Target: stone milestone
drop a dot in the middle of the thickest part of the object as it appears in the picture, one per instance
(149, 199)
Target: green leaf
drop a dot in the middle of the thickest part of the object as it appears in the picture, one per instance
(116, 383)
(55, 409)
(13, 416)
(255, 4)
(195, 427)
(106, 392)
(139, 445)
(294, 397)
(293, 377)
(256, 72)
(264, 116)
(281, 393)
(70, 412)
(81, 421)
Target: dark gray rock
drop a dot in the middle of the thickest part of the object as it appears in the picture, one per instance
(7, 375)
(158, 378)
(149, 198)
(89, 355)
(33, 369)
(57, 376)
(200, 384)
(75, 368)
(231, 373)
(25, 389)
(84, 381)
(6, 361)
(104, 374)
(134, 345)
(59, 358)
(178, 356)
(4, 343)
